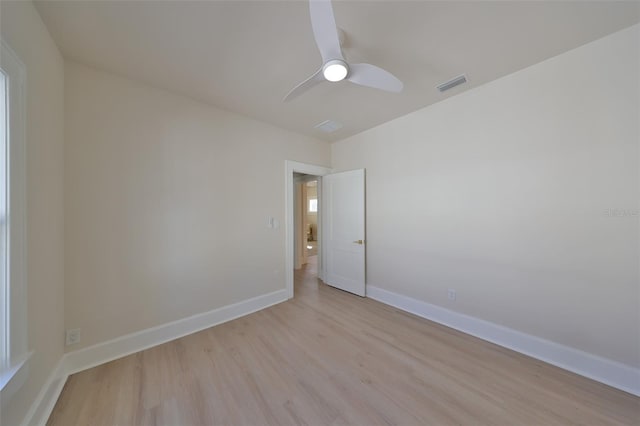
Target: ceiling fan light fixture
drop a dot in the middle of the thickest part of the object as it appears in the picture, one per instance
(334, 66)
(335, 70)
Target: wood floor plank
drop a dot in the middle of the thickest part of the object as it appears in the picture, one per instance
(327, 358)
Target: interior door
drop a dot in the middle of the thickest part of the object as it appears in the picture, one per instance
(344, 230)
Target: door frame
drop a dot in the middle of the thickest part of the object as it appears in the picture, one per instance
(309, 169)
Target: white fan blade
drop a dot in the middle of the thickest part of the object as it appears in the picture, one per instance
(316, 78)
(372, 76)
(325, 30)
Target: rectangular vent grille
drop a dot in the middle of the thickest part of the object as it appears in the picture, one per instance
(452, 83)
(329, 126)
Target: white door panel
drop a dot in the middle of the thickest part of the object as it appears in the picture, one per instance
(344, 230)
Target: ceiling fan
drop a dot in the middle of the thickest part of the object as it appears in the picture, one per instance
(334, 66)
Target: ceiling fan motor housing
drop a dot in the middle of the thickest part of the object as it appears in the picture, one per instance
(335, 70)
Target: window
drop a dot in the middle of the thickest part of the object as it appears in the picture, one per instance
(13, 283)
(313, 205)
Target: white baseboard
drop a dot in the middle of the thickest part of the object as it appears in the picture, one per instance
(101, 353)
(41, 408)
(92, 356)
(603, 370)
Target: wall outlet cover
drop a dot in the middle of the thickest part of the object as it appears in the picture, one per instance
(451, 294)
(72, 336)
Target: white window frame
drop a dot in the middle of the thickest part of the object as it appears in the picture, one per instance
(14, 368)
(311, 203)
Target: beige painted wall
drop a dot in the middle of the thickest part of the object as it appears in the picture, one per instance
(22, 29)
(167, 202)
(505, 190)
(299, 223)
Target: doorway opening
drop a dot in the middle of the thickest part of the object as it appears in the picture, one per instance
(307, 241)
(304, 221)
(306, 215)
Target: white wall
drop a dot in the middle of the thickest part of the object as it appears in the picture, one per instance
(501, 193)
(167, 202)
(22, 28)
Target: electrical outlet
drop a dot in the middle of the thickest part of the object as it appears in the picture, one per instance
(73, 336)
(272, 223)
(451, 294)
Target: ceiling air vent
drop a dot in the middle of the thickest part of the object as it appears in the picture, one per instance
(452, 83)
(328, 126)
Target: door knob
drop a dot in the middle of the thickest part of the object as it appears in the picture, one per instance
(359, 242)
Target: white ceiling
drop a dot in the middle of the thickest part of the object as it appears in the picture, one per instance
(244, 56)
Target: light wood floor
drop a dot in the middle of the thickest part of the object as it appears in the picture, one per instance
(328, 357)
